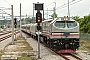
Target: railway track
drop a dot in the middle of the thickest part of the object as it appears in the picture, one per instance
(7, 36)
(64, 56)
(5, 33)
(70, 57)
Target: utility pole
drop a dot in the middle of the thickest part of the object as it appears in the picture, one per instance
(33, 10)
(55, 7)
(12, 24)
(47, 13)
(68, 10)
(20, 21)
(54, 10)
(53, 13)
(43, 12)
(26, 19)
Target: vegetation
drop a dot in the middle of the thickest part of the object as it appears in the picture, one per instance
(54, 15)
(2, 26)
(24, 57)
(30, 20)
(23, 46)
(84, 23)
(85, 45)
(22, 40)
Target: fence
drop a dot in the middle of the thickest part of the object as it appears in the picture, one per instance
(84, 36)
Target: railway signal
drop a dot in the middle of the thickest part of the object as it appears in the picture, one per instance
(38, 27)
(38, 21)
(38, 6)
(38, 17)
(15, 23)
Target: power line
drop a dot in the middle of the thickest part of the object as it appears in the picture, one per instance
(10, 4)
(5, 12)
(49, 4)
(65, 5)
(6, 2)
(51, 10)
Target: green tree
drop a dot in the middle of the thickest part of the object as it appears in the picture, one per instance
(76, 17)
(2, 26)
(54, 15)
(28, 20)
(84, 23)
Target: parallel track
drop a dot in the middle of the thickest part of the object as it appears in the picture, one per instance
(7, 36)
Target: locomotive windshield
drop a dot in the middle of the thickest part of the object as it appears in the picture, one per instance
(71, 24)
(63, 24)
(60, 24)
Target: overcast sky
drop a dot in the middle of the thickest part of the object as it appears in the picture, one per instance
(81, 8)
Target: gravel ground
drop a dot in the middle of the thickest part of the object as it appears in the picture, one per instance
(45, 53)
(83, 55)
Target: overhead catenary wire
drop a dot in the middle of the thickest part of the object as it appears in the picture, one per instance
(49, 4)
(6, 2)
(47, 13)
(9, 4)
(5, 12)
(13, 7)
(65, 5)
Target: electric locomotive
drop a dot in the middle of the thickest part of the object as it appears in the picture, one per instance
(61, 34)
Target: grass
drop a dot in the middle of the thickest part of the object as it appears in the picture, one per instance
(85, 45)
(22, 41)
(20, 38)
(24, 57)
(1, 53)
(27, 47)
(26, 44)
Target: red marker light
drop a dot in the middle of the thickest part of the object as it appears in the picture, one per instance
(39, 20)
(65, 17)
